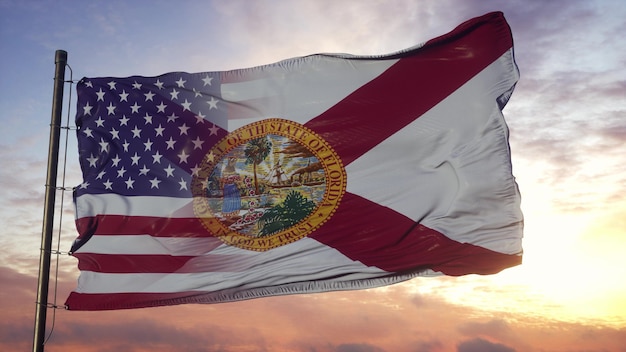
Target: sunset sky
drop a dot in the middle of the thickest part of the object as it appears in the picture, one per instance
(567, 120)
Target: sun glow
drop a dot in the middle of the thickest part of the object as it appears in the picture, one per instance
(567, 273)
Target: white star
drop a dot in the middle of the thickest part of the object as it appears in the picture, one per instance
(156, 158)
(108, 184)
(172, 118)
(161, 107)
(136, 132)
(88, 84)
(104, 146)
(129, 183)
(149, 96)
(195, 170)
(87, 109)
(112, 85)
(134, 108)
(210, 157)
(169, 171)
(144, 170)
(214, 130)
(200, 118)
(116, 160)
(170, 143)
(183, 129)
(135, 158)
(100, 122)
(186, 105)
(174, 94)
(84, 185)
(121, 172)
(159, 84)
(89, 132)
(100, 95)
(181, 83)
(212, 103)
(124, 120)
(115, 134)
(100, 175)
(136, 85)
(197, 143)
(125, 145)
(183, 184)
(159, 130)
(197, 93)
(207, 80)
(154, 183)
(92, 160)
(111, 109)
(148, 145)
(124, 96)
(183, 157)
(148, 119)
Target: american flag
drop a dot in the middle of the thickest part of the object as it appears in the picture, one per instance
(147, 136)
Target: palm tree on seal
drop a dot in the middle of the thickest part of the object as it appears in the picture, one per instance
(256, 151)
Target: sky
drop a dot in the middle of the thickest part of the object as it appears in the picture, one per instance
(567, 120)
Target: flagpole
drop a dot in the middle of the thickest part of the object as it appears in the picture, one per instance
(60, 60)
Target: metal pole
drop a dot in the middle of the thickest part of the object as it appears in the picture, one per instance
(60, 60)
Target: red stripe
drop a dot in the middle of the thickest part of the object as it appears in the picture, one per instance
(416, 83)
(107, 263)
(106, 301)
(120, 225)
(163, 264)
(141, 225)
(381, 237)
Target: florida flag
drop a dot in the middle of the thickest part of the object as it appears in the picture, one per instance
(317, 173)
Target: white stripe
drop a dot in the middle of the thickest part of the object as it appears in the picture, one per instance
(278, 266)
(312, 83)
(451, 168)
(93, 282)
(114, 204)
(249, 90)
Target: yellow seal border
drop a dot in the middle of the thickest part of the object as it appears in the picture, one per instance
(335, 175)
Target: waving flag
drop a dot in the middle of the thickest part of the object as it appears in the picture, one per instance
(318, 173)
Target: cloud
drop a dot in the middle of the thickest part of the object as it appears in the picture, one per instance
(571, 147)
(480, 345)
(390, 319)
(565, 115)
(17, 308)
(496, 328)
(428, 346)
(358, 347)
(18, 335)
(153, 334)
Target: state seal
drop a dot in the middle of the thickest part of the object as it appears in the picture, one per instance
(268, 184)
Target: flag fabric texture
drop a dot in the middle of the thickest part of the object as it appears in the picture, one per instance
(317, 173)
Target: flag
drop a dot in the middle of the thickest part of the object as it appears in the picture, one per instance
(317, 173)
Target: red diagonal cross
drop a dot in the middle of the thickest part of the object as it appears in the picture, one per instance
(376, 235)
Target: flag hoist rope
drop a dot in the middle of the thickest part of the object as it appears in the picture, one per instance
(57, 252)
(39, 338)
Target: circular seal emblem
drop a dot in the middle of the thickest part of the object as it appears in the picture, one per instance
(268, 184)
